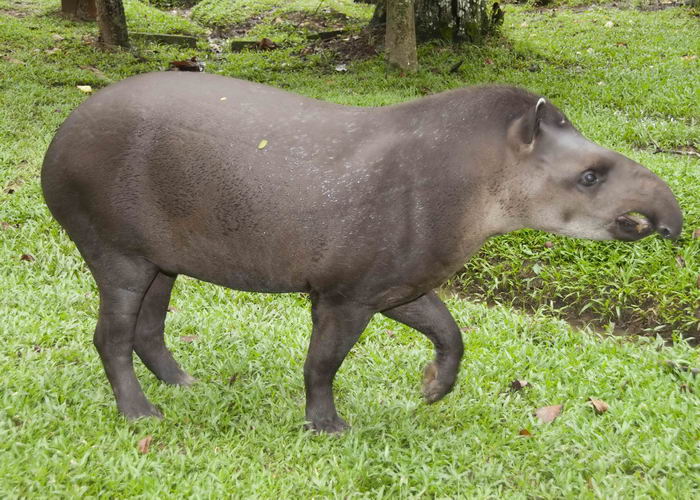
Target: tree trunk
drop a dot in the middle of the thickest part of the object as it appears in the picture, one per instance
(401, 35)
(112, 22)
(456, 20)
(84, 10)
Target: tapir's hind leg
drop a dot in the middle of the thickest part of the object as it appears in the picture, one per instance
(337, 324)
(149, 341)
(429, 316)
(122, 282)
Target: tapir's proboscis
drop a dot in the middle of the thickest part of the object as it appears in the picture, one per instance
(367, 210)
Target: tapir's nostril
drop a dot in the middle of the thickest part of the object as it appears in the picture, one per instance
(665, 232)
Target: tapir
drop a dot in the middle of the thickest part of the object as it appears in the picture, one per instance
(367, 210)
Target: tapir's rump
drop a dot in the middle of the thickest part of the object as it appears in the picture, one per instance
(366, 209)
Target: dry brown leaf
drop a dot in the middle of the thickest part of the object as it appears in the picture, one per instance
(599, 405)
(525, 432)
(144, 444)
(689, 57)
(517, 385)
(27, 257)
(5, 226)
(189, 338)
(188, 65)
(390, 333)
(548, 413)
(548, 244)
(488, 61)
(96, 71)
(267, 44)
(13, 60)
(680, 261)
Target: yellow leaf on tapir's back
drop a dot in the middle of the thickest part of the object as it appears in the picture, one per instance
(262, 144)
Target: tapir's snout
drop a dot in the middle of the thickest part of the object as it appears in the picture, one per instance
(654, 209)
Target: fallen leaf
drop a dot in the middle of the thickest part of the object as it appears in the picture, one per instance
(525, 432)
(13, 186)
(189, 338)
(621, 44)
(13, 60)
(696, 234)
(341, 68)
(599, 405)
(84, 88)
(548, 244)
(548, 413)
(488, 61)
(689, 57)
(680, 261)
(144, 444)
(390, 333)
(96, 71)
(5, 226)
(27, 257)
(517, 385)
(262, 144)
(188, 65)
(267, 44)
(57, 37)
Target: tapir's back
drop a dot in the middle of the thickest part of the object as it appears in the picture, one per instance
(192, 169)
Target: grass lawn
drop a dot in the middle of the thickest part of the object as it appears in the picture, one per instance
(633, 86)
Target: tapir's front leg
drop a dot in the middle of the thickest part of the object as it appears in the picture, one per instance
(337, 324)
(428, 315)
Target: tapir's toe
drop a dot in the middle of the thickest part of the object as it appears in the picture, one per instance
(182, 379)
(334, 425)
(134, 412)
(434, 389)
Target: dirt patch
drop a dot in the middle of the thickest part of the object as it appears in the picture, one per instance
(347, 47)
(19, 14)
(316, 21)
(241, 29)
(524, 298)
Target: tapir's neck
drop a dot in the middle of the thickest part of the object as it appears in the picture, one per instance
(461, 157)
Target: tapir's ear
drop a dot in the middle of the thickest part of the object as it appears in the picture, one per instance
(530, 122)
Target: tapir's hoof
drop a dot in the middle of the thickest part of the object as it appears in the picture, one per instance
(334, 425)
(134, 413)
(183, 380)
(433, 388)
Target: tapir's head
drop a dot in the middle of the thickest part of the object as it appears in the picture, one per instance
(574, 187)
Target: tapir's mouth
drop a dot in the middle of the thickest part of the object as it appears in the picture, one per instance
(632, 226)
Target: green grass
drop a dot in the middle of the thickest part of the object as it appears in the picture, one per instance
(60, 435)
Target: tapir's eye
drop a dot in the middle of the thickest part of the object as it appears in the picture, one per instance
(588, 178)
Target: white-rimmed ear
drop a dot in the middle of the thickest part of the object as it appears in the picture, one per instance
(530, 122)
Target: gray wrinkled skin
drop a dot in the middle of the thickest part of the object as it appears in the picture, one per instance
(367, 210)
